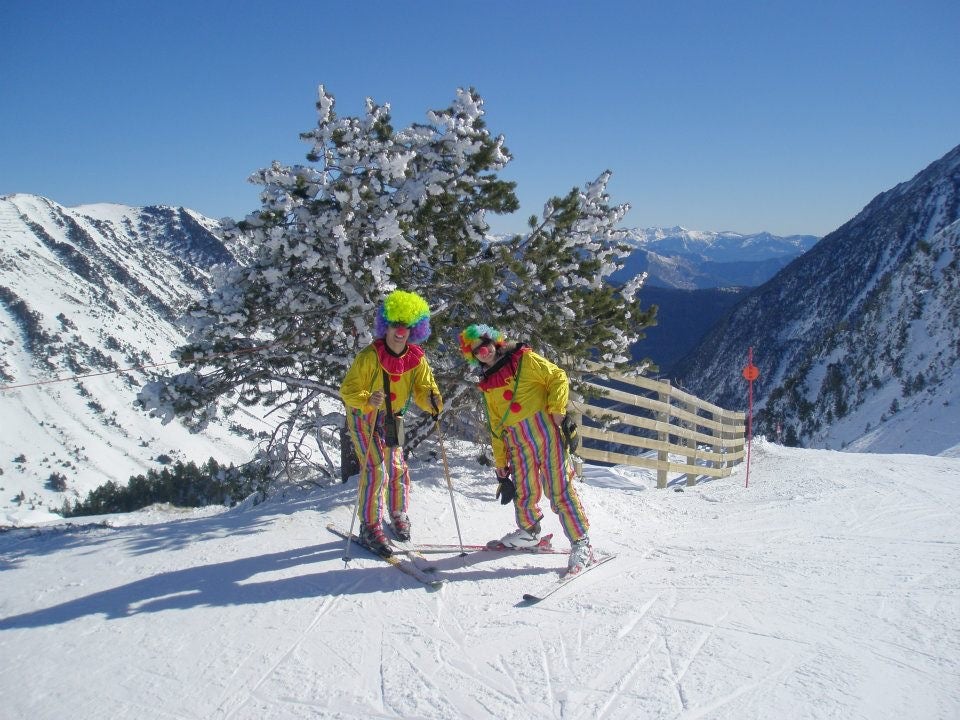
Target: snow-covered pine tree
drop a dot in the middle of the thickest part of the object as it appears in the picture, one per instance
(556, 296)
(379, 209)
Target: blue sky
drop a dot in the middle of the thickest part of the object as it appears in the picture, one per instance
(748, 116)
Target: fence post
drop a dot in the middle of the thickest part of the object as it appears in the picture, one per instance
(663, 416)
(721, 435)
(728, 431)
(691, 444)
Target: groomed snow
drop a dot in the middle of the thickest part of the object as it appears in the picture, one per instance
(828, 588)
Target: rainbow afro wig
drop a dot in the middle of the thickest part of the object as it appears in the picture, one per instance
(474, 333)
(404, 308)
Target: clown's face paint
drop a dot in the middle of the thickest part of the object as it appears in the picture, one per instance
(484, 352)
(397, 336)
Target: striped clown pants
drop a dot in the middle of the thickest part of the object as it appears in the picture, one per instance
(383, 472)
(541, 466)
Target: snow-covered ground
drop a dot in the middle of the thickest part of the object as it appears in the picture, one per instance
(828, 588)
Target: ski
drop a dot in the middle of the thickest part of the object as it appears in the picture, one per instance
(405, 564)
(532, 599)
(412, 552)
(544, 546)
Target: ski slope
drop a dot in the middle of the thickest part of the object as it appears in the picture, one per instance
(829, 588)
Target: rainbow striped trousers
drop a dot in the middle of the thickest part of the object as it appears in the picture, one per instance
(541, 466)
(383, 473)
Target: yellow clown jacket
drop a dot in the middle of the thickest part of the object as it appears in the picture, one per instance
(409, 375)
(518, 386)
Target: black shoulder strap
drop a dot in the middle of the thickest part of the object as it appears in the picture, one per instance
(386, 392)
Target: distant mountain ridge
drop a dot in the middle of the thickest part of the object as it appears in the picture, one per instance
(695, 259)
(695, 276)
(725, 246)
(860, 329)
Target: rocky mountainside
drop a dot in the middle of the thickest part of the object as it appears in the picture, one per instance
(94, 291)
(858, 330)
(900, 360)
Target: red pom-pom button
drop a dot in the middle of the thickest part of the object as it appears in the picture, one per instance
(515, 407)
(508, 394)
(394, 378)
(393, 397)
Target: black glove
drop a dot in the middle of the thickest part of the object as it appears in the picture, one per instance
(435, 404)
(570, 433)
(506, 491)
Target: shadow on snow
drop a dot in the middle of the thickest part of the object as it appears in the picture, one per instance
(234, 583)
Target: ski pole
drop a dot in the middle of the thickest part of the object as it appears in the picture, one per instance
(363, 467)
(446, 472)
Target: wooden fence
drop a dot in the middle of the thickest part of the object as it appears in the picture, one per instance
(649, 423)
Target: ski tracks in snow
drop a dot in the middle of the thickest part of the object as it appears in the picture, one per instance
(326, 607)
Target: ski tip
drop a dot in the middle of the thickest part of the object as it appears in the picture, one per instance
(529, 599)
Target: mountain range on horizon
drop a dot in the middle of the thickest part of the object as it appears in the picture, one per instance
(687, 259)
(695, 277)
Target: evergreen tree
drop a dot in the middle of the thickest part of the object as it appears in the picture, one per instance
(379, 209)
(555, 293)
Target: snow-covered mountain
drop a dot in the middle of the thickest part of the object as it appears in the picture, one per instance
(856, 340)
(694, 259)
(91, 291)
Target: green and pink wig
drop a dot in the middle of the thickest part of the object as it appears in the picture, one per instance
(474, 333)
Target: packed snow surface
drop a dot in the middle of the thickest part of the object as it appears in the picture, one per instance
(827, 588)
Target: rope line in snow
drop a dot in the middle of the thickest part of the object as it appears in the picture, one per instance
(70, 378)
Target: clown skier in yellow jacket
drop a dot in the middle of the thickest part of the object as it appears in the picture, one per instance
(525, 398)
(379, 387)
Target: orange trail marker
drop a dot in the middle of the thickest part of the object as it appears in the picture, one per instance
(750, 373)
